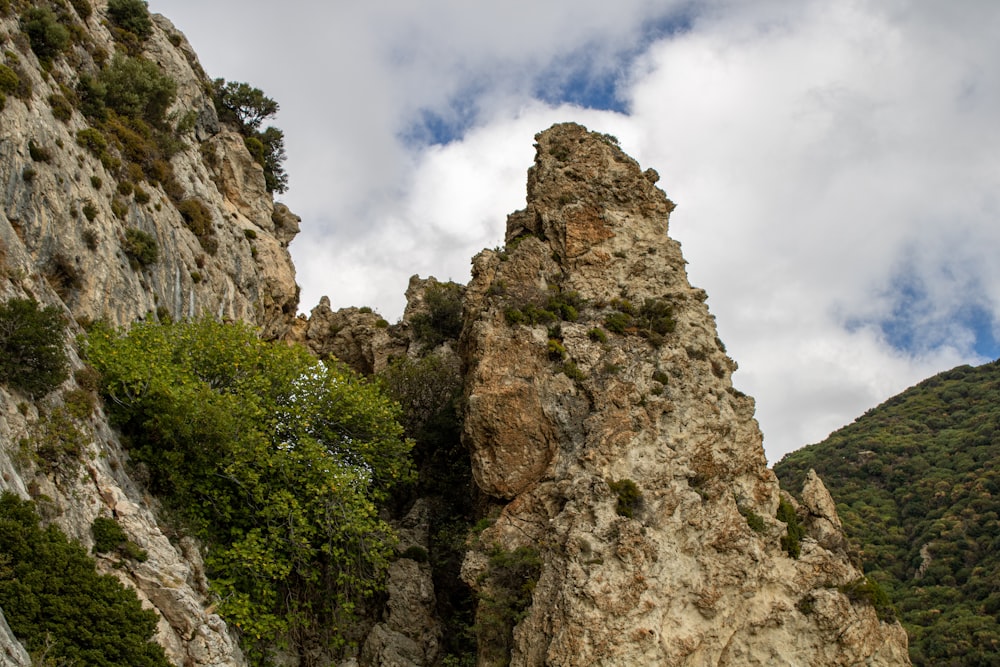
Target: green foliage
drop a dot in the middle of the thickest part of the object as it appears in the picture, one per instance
(629, 497)
(108, 535)
(54, 599)
(597, 335)
(791, 541)
(242, 103)
(917, 484)
(505, 592)
(416, 553)
(132, 16)
(559, 306)
(198, 218)
(556, 350)
(83, 8)
(247, 107)
(61, 107)
(618, 322)
(92, 140)
(865, 589)
(443, 318)
(754, 520)
(9, 80)
(140, 247)
(56, 441)
(47, 35)
(38, 153)
(136, 88)
(32, 356)
(275, 460)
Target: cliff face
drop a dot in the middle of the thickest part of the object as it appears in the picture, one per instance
(68, 226)
(600, 407)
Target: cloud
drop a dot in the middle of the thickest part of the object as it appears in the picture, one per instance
(835, 165)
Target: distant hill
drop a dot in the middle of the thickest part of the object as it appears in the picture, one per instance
(917, 485)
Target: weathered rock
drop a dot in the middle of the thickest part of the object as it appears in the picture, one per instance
(12, 654)
(410, 634)
(633, 385)
(358, 337)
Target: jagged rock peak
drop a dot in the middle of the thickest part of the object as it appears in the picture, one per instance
(631, 475)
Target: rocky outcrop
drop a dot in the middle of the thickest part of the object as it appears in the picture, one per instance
(600, 408)
(67, 213)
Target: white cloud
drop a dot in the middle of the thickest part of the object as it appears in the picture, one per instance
(823, 156)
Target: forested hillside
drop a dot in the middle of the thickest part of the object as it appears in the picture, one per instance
(917, 484)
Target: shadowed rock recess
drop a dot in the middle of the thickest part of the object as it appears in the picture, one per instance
(600, 408)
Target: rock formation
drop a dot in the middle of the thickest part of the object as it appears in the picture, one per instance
(600, 407)
(636, 519)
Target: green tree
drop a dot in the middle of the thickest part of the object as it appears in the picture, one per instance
(32, 356)
(136, 88)
(54, 599)
(47, 36)
(278, 462)
(131, 15)
(243, 103)
(248, 107)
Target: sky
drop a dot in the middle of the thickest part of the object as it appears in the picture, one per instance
(835, 165)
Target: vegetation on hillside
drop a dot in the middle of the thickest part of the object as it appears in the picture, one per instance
(275, 461)
(917, 484)
(59, 607)
(32, 357)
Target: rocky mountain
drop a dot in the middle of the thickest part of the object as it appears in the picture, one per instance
(601, 412)
(915, 480)
(623, 510)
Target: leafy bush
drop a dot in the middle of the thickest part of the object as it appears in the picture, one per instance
(38, 153)
(617, 322)
(32, 357)
(867, 590)
(136, 88)
(276, 460)
(55, 601)
(629, 497)
(416, 553)
(198, 219)
(9, 80)
(131, 15)
(597, 335)
(505, 595)
(61, 107)
(92, 140)
(108, 535)
(754, 520)
(140, 247)
(443, 319)
(791, 540)
(48, 37)
(56, 442)
(83, 8)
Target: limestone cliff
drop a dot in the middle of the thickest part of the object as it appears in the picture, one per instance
(600, 408)
(97, 228)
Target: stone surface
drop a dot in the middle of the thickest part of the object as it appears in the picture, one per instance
(684, 580)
